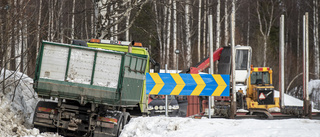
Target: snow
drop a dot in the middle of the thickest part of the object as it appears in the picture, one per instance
(188, 127)
(16, 116)
(314, 92)
(25, 99)
(313, 84)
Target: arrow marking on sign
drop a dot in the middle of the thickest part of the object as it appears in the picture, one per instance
(221, 85)
(180, 84)
(200, 84)
(159, 83)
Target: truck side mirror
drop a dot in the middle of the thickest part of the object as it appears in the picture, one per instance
(155, 64)
(157, 68)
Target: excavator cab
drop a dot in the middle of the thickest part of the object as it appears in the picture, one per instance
(243, 62)
(260, 78)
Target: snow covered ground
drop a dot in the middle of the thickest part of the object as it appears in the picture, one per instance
(16, 119)
(16, 116)
(188, 127)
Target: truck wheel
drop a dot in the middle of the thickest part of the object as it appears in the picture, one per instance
(119, 128)
(127, 118)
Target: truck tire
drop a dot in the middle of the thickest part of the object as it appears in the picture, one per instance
(127, 118)
(117, 131)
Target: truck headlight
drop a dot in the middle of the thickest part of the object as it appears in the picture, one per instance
(161, 107)
(170, 107)
(150, 107)
(175, 107)
(156, 107)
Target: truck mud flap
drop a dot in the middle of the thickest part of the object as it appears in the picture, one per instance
(115, 131)
(43, 116)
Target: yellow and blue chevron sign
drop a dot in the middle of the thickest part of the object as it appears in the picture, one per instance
(188, 84)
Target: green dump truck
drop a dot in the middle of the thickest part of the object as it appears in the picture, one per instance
(95, 85)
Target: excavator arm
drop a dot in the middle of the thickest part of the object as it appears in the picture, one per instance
(203, 64)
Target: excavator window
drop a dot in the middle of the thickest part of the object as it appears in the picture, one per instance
(260, 78)
(242, 60)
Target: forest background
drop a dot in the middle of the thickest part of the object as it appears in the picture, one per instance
(163, 26)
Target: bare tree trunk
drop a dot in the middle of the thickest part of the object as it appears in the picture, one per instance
(164, 34)
(150, 43)
(116, 25)
(22, 37)
(248, 31)
(127, 21)
(13, 37)
(54, 31)
(204, 29)
(315, 36)
(265, 50)
(218, 33)
(226, 23)
(93, 20)
(158, 29)
(168, 33)
(199, 31)
(174, 32)
(61, 21)
(298, 43)
(38, 26)
(1, 35)
(85, 20)
(72, 21)
(265, 31)
(111, 22)
(52, 34)
(188, 40)
(49, 20)
(4, 43)
(182, 36)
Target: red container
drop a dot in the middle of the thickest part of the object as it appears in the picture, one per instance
(194, 105)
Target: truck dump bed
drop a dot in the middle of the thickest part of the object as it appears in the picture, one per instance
(89, 74)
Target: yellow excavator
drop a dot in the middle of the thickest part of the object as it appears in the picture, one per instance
(260, 91)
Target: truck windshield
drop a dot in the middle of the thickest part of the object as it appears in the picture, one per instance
(241, 59)
(162, 97)
(260, 78)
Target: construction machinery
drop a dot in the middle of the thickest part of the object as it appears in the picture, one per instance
(260, 90)
(259, 94)
(96, 85)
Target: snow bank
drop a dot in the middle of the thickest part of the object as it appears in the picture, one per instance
(11, 123)
(314, 92)
(25, 99)
(16, 116)
(187, 127)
